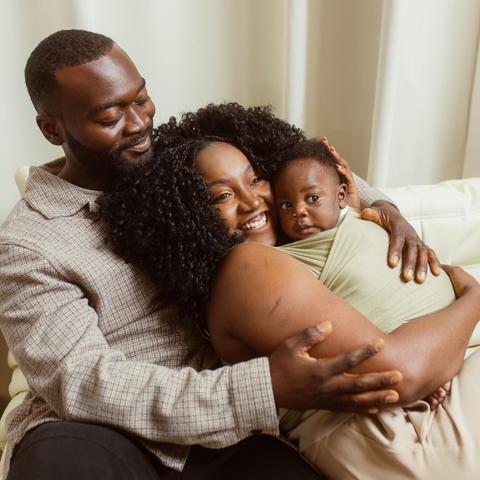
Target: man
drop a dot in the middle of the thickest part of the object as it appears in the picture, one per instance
(119, 389)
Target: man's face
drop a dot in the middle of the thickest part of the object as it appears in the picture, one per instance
(107, 117)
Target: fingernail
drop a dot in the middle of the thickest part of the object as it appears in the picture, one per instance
(390, 398)
(325, 139)
(323, 327)
(395, 260)
(373, 410)
(422, 276)
(379, 344)
(332, 149)
(395, 378)
(410, 273)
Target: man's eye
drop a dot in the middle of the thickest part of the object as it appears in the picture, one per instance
(285, 205)
(108, 123)
(143, 102)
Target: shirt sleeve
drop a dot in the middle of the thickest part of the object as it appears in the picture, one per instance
(53, 334)
(369, 195)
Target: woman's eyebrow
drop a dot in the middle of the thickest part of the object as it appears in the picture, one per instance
(218, 182)
(226, 180)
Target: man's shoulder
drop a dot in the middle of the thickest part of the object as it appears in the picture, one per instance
(52, 215)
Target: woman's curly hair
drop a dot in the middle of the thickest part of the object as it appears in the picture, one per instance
(161, 217)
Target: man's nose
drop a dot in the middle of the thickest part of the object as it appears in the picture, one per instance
(138, 118)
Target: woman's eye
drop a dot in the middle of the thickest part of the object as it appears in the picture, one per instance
(222, 196)
(256, 180)
(285, 205)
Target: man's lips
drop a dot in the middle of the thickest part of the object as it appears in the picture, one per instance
(141, 146)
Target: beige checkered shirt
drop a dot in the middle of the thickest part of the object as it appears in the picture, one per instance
(81, 325)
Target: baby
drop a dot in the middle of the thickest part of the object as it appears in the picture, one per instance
(310, 190)
(311, 197)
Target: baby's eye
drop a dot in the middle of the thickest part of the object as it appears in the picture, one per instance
(312, 198)
(285, 206)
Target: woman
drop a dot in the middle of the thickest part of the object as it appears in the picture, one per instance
(259, 296)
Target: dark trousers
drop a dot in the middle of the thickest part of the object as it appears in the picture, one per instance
(71, 451)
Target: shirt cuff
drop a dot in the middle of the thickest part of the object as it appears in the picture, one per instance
(255, 409)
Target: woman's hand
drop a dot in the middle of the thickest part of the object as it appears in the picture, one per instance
(439, 396)
(416, 255)
(461, 280)
(343, 167)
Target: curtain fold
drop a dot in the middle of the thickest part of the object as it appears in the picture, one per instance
(297, 62)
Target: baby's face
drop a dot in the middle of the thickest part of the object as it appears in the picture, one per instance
(308, 198)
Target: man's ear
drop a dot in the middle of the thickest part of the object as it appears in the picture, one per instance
(342, 195)
(51, 128)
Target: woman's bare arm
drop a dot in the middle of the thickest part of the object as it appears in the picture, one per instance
(261, 296)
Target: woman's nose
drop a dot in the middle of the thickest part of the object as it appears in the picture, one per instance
(249, 202)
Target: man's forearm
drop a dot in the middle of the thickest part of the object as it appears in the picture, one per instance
(369, 195)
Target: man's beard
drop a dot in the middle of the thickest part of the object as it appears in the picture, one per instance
(111, 165)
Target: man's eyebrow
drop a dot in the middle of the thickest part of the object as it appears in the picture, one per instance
(104, 106)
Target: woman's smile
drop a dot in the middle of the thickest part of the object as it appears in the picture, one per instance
(256, 223)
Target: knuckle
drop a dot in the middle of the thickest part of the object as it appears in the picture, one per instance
(310, 334)
(352, 359)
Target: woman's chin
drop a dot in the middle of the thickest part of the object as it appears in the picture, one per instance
(265, 234)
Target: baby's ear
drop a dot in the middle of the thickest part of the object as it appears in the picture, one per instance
(342, 195)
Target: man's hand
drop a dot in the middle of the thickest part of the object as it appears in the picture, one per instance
(343, 168)
(301, 382)
(404, 238)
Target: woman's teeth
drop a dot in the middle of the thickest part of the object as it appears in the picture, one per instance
(256, 224)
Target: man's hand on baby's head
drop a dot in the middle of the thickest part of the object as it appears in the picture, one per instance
(404, 242)
(342, 167)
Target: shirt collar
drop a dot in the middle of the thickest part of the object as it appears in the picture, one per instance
(52, 196)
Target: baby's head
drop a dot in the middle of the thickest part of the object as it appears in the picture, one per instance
(309, 191)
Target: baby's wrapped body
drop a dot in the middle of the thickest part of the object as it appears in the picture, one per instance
(351, 261)
(412, 442)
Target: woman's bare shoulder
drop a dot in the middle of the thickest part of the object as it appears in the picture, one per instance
(255, 287)
(256, 256)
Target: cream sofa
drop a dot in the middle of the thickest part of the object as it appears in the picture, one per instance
(446, 216)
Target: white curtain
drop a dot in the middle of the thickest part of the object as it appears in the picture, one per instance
(423, 101)
(391, 83)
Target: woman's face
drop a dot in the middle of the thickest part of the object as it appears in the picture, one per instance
(244, 198)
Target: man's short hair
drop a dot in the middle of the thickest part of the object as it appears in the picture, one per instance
(66, 48)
